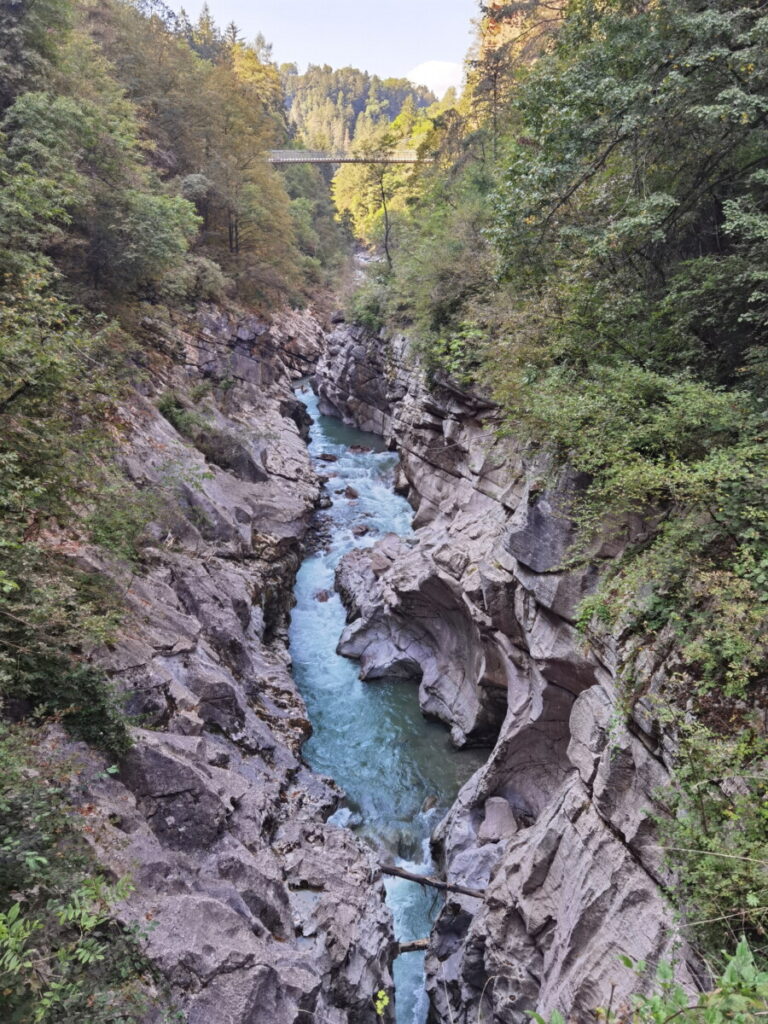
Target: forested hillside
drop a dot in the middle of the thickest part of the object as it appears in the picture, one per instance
(132, 179)
(589, 248)
(132, 185)
(329, 108)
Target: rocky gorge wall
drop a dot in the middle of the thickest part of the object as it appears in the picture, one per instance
(478, 610)
(255, 909)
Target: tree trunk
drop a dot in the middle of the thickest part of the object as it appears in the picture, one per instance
(409, 876)
(387, 253)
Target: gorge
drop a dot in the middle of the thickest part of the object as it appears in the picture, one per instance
(259, 905)
(555, 827)
(472, 609)
(383, 530)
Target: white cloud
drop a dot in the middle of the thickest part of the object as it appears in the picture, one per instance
(438, 75)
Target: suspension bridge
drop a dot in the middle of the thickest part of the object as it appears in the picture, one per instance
(318, 156)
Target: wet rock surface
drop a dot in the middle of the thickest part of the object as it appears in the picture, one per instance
(260, 911)
(478, 609)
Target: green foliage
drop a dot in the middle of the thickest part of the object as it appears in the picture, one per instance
(598, 210)
(380, 1003)
(61, 373)
(79, 695)
(715, 830)
(212, 105)
(456, 353)
(30, 34)
(140, 238)
(328, 107)
(691, 459)
(435, 281)
(63, 957)
(556, 1018)
(197, 279)
(372, 196)
(188, 421)
(318, 236)
(147, 133)
(366, 305)
(740, 995)
(79, 164)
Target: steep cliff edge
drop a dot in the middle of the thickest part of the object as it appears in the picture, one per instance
(256, 909)
(480, 611)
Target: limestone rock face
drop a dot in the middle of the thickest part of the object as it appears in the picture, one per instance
(300, 338)
(352, 381)
(478, 608)
(260, 911)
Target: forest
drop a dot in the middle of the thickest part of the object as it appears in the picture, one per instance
(584, 243)
(328, 108)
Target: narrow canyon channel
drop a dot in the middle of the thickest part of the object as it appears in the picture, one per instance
(399, 771)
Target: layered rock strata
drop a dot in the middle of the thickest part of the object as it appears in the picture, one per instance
(300, 340)
(255, 909)
(478, 609)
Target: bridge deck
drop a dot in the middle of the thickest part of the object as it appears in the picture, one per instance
(316, 156)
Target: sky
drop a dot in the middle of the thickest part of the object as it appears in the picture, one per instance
(425, 40)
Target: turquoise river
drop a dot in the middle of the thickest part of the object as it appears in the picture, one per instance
(398, 771)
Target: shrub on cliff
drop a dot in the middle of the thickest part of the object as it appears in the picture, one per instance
(63, 955)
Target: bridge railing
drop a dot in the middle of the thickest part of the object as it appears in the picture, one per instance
(317, 156)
